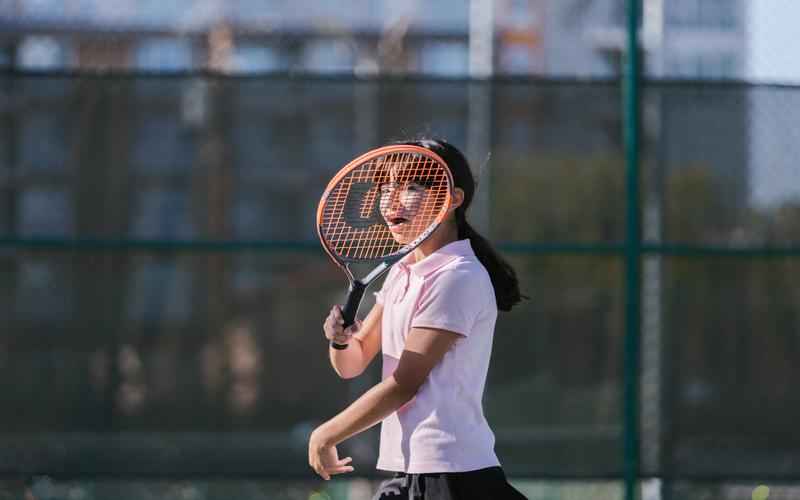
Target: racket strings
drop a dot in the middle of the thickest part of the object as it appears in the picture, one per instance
(359, 231)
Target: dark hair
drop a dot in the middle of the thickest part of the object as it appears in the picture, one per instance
(503, 276)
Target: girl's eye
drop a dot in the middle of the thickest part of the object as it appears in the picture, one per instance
(415, 187)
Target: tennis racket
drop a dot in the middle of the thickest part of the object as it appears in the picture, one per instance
(378, 208)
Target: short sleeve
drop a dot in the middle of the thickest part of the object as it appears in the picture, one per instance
(453, 301)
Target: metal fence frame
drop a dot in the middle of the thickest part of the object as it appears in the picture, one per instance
(633, 250)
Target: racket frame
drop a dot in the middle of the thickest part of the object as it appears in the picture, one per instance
(357, 287)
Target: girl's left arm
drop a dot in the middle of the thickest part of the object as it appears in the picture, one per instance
(424, 348)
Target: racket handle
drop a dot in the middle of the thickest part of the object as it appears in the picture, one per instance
(354, 295)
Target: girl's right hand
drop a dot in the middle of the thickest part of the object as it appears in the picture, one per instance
(333, 329)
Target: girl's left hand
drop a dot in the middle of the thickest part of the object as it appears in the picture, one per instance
(324, 459)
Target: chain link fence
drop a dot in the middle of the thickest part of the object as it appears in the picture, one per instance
(162, 288)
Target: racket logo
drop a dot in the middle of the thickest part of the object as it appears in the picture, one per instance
(362, 208)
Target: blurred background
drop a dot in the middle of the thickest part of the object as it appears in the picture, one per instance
(162, 289)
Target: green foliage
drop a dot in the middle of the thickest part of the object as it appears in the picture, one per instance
(559, 199)
(695, 208)
(730, 322)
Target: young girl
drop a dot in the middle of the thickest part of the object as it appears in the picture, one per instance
(433, 321)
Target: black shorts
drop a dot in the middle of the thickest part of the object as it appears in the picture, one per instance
(483, 484)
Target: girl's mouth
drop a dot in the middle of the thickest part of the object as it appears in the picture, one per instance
(396, 221)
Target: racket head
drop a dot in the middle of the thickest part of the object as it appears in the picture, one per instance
(404, 183)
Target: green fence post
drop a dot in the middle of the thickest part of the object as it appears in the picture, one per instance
(633, 253)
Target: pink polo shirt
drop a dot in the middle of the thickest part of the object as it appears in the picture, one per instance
(443, 428)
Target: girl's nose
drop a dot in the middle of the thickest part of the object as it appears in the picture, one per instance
(394, 201)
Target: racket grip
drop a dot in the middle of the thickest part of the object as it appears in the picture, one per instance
(354, 295)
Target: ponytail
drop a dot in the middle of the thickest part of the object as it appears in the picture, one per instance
(503, 276)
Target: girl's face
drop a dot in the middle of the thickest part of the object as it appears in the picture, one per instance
(403, 208)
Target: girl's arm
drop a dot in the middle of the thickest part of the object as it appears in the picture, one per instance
(425, 347)
(363, 344)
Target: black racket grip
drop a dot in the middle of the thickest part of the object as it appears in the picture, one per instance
(354, 295)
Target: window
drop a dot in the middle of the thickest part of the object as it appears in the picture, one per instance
(42, 291)
(5, 153)
(6, 212)
(272, 213)
(717, 13)
(5, 57)
(161, 143)
(43, 141)
(717, 66)
(618, 13)
(265, 215)
(328, 56)
(728, 66)
(519, 10)
(695, 65)
(328, 136)
(43, 53)
(444, 59)
(263, 143)
(160, 290)
(250, 275)
(254, 58)
(45, 212)
(515, 59)
(162, 214)
(708, 13)
(250, 220)
(163, 54)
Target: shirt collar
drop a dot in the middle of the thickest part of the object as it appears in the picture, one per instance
(432, 262)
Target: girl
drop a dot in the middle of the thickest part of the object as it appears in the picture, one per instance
(433, 321)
